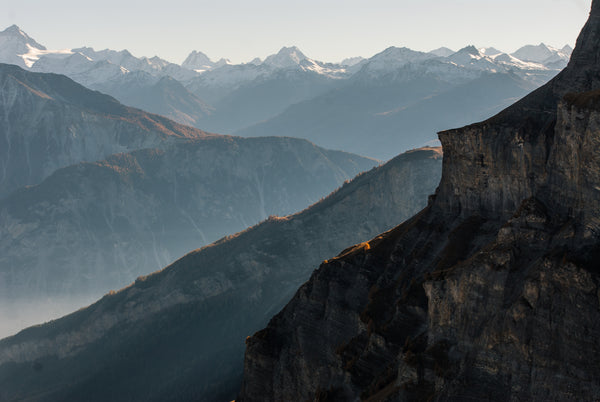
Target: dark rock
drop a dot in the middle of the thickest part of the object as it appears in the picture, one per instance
(491, 293)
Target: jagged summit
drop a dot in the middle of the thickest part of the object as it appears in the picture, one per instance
(286, 57)
(470, 50)
(13, 29)
(566, 49)
(16, 47)
(197, 60)
(15, 32)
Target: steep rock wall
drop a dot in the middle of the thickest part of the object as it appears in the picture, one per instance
(490, 293)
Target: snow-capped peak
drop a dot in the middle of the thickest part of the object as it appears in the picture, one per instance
(397, 57)
(197, 61)
(286, 57)
(536, 54)
(16, 47)
(15, 33)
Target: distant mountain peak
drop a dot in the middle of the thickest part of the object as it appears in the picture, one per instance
(396, 49)
(442, 52)
(286, 57)
(470, 50)
(290, 50)
(197, 61)
(540, 53)
(490, 51)
(566, 49)
(127, 53)
(13, 29)
(16, 47)
(398, 53)
(222, 62)
(393, 58)
(17, 33)
(352, 61)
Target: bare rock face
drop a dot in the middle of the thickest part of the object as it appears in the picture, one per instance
(490, 293)
(179, 334)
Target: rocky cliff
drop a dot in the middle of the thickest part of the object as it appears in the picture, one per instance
(490, 293)
(48, 121)
(179, 334)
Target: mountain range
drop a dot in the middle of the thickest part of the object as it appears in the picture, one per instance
(179, 334)
(488, 293)
(49, 121)
(76, 222)
(291, 94)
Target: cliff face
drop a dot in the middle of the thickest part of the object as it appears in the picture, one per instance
(179, 334)
(490, 293)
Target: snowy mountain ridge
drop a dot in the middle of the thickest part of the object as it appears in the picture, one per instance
(222, 97)
(16, 47)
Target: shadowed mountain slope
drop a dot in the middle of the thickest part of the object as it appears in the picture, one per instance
(178, 334)
(377, 119)
(92, 227)
(48, 121)
(490, 293)
(165, 96)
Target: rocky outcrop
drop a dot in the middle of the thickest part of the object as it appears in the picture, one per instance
(490, 293)
(48, 121)
(179, 334)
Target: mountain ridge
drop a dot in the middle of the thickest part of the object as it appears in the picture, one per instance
(198, 310)
(53, 122)
(490, 293)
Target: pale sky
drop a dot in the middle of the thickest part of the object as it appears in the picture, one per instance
(326, 30)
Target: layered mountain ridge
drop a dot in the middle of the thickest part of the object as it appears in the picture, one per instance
(179, 334)
(98, 225)
(490, 293)
(48, 122)
(115, 192)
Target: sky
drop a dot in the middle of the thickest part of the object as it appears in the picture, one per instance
(326, 30)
